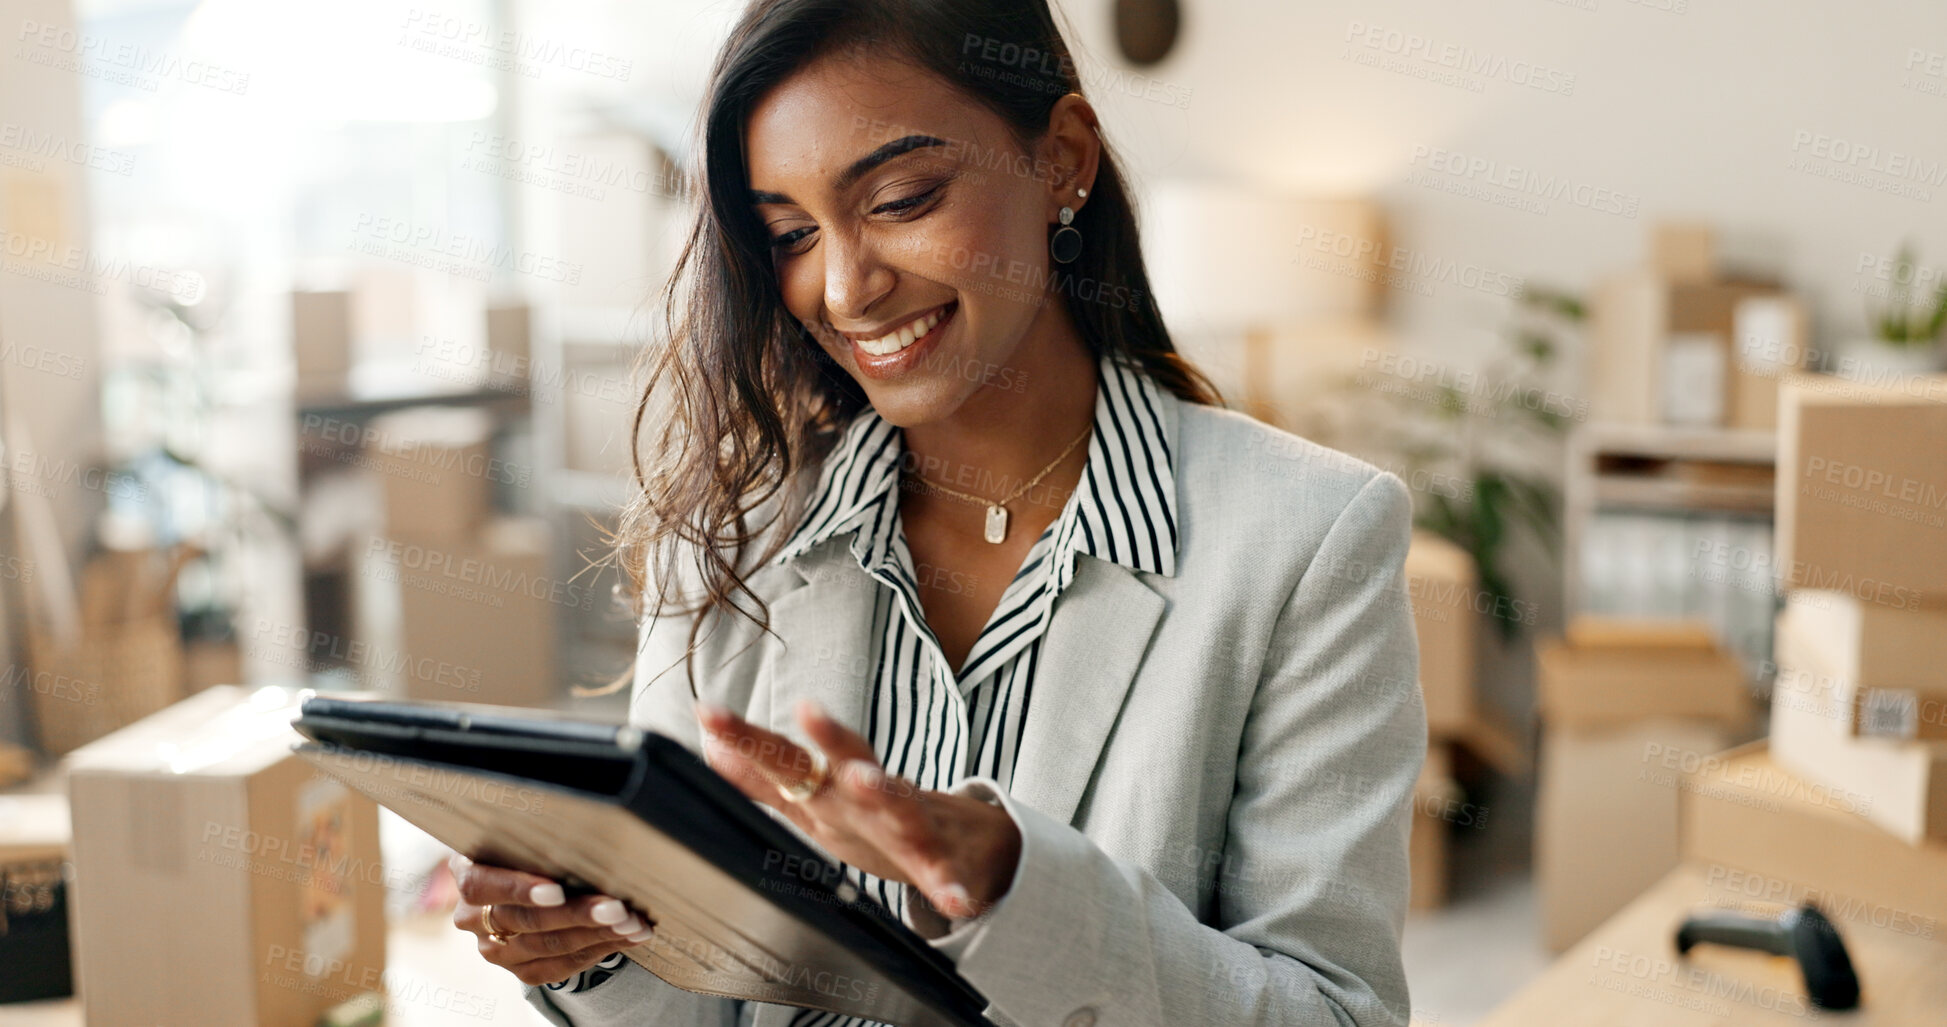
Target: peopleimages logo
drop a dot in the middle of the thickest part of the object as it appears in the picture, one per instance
(1474, 169)
(1455, 57)
(438, 570)
(435, 248)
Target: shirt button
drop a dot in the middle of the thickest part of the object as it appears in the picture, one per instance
(1083, 1017)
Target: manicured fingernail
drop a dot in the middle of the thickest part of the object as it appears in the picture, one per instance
(957, 895)
(609, 911)
(546, 894)
(644, 935)
(628, 927)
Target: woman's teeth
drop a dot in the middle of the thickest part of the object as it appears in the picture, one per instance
(904, 337)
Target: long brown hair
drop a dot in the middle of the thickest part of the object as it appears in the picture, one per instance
(748, 398)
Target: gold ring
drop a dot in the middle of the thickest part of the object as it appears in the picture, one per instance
(493, 931)
(799, 791)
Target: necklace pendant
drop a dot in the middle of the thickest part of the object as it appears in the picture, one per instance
(996, 524)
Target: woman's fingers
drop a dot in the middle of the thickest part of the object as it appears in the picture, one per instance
(866, 817)
(529, 903)
(915, 843)
(839, 742)
(481, 883)
(559, 968)
(582, 911)
(756, 760)
(547, 936)
(529, 946)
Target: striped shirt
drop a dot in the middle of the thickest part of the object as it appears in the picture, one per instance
(927, 723)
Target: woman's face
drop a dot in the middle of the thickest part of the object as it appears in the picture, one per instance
(909, 232)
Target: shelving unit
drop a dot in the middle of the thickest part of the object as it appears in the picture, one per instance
(1717, 485)
(370, 393)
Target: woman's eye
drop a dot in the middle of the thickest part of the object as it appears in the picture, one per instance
(788, 239)
(902, 206)
(909, 203)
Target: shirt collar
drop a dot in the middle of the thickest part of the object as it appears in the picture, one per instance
(1123, 510)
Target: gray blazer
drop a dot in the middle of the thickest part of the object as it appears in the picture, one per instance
(1215, 778)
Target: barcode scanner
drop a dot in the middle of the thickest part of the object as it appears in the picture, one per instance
(1802, 933)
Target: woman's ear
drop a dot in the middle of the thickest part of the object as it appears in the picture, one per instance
(1073, 149)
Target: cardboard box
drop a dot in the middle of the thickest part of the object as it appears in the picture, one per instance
(1900, 786)
(1605, 685)
(34, 827)
(1861, 504)
(1606, 816)
(321, 337)
(1443, 587)
(1771, 337)
(218, 877)
(1887, 662)
(1743, 810)
(437, 470)
(1633, 316)
(467, 620)
(1684, 250)
(510, 346)
(127, 660)
(34, 937)
(1435, 793)
(1605, 631)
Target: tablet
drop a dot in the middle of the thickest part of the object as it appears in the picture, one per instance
(744, 906)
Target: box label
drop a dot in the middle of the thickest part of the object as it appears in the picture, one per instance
(325, 913)
(1889, 713)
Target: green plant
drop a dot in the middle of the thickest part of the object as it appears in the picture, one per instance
(1900, 321)
(1478, 447)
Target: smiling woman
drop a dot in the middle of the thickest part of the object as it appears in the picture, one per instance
(957, 566)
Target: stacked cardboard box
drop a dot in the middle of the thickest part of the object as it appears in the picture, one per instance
(1884, 666)
(1675, 341)
(436, 469)
(1744, 814)
(453, 601)
(34, 940)
(1623, 704)
(1860, 705)
(321, 338)
(468, 619)
(1438, 803)
(125, 662)
(1862, 488)
(1444, 590)
(263, 876)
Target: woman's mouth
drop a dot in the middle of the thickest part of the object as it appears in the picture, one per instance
(898, 350)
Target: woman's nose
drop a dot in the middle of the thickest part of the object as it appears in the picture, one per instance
(855, 279)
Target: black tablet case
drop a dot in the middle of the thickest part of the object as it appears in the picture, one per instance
(743, 907)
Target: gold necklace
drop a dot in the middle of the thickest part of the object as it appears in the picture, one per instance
(996, 532)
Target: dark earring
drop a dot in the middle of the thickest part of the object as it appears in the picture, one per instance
(1066, 244)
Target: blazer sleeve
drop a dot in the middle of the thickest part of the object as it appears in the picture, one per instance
(1312, 888)
(659, 701)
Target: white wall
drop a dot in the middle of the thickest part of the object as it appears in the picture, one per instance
(1696, 113)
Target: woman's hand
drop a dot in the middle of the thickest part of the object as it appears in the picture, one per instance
(550, 937)
(960, 852)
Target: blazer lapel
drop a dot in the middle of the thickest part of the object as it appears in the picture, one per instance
(1095, 642)
(827, 625)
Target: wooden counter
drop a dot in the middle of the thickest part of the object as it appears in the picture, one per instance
(1627, 972)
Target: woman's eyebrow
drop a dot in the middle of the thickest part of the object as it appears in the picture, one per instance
(859, 167)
